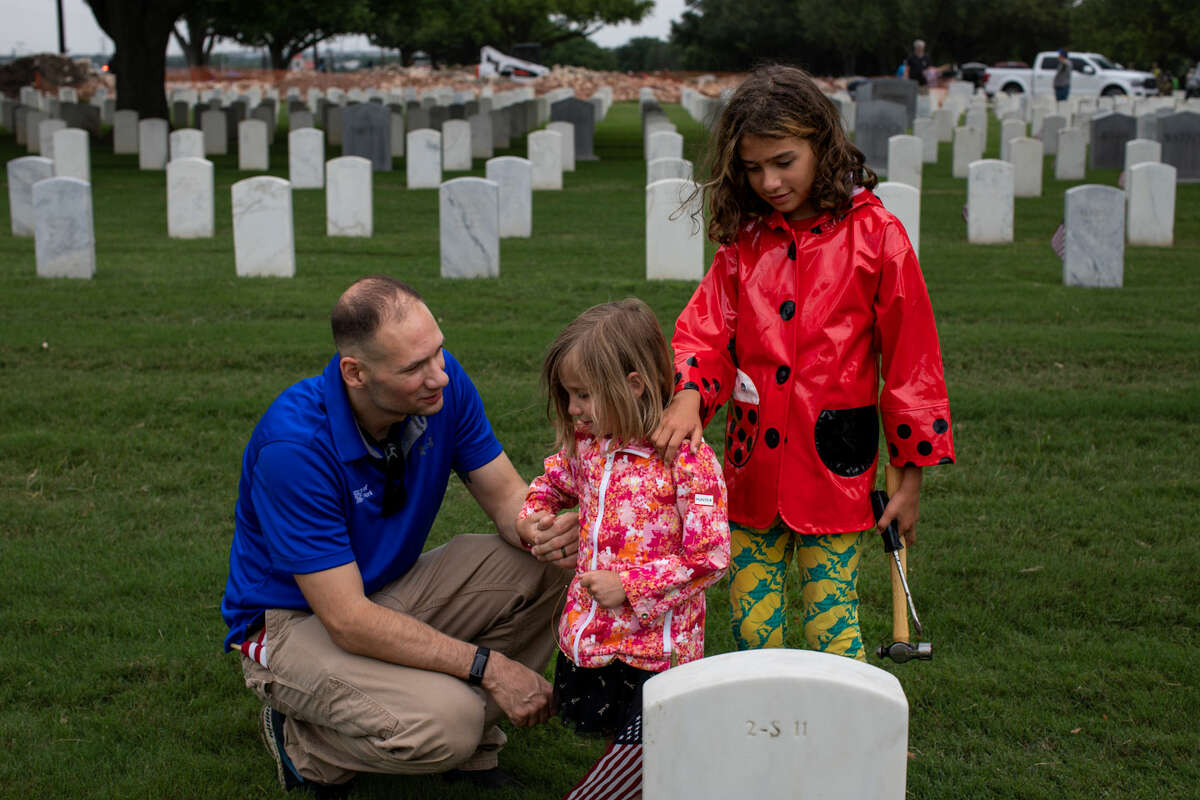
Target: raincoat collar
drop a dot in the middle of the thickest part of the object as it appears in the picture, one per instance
(824, 223)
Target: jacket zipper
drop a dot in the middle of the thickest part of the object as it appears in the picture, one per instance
(595, 537)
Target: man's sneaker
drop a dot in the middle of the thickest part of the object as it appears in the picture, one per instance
(271, 728)
(494, 778)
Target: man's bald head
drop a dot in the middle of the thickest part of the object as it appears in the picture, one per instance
(364, 307)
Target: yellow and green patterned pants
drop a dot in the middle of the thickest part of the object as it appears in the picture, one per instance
(828, 567)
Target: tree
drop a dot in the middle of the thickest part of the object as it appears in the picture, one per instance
(453, 31)
(201, 34)
(286, 28)
(645, 54)
(1163, 32)
(140, 30)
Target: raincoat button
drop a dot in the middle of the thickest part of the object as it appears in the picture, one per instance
(782, 373)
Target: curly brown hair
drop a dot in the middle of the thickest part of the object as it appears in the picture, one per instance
(778, 101)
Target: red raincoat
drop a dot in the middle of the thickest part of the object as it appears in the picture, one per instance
(799, 325)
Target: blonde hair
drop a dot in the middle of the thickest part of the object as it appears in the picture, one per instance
(603, 345)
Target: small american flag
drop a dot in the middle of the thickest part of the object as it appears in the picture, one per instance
(964, 212)
(618, 773)
(1121, 180)
(1059, 240)
(256, 648)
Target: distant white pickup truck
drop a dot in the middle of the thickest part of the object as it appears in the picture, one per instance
(1091, 74)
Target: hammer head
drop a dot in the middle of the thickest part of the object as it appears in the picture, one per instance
(904, 651)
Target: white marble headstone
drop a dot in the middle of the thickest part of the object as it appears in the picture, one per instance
(1071, 162)
(456, 145)
(1026, 157)
(186, 143)
(1137, 151)
(46, 130)
(904, 160)
(152, 144)
(674, 239)
(348, 197)
(1150, 194)
(23, 173)
(990, 202)
(662, 168)
(514, 176)
(1094, 254)
(545, 155)
(469, 225)
(1010, 129)
(968, 147)
(72, 159)
(306, 158)
(774, 724)
(214, 127)
(125, 132)
(664, 144)
(423, 164)
(64, 235)
(190, 213)
(263, 239)
(253, 148)
(567, 130)
(905, 202)
(925, 129)
(945, 120)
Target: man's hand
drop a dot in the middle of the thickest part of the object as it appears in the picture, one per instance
(681, 420)
(522, 694)
(604, 586)
(556, 538)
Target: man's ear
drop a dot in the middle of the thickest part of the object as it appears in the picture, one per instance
(352, 372)
(636, 384)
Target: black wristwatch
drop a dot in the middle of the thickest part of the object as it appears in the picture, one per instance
(478, 665)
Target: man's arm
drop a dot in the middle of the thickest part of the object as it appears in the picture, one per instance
(500, 492)
(360, 626)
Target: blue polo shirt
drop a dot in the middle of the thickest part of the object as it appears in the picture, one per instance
(311, 494)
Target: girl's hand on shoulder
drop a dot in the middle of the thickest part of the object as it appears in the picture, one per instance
(604, 586)
(681, 420)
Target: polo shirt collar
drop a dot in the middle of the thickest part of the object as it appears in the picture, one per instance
(347, 440)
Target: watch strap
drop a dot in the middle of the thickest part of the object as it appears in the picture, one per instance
(478, 665)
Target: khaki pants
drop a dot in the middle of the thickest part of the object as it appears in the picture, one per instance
(348, 713)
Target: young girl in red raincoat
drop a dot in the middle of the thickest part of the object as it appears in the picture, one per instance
(814, 295)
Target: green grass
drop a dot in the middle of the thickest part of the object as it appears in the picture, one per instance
(1056, 573)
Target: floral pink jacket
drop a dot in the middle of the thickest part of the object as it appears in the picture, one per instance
(662, 527)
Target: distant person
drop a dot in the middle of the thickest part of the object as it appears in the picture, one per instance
(814, 295)
(370, 655)
(1062, 77)
(916, 64)
(653, 533)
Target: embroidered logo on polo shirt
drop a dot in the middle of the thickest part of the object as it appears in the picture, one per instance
(362, 494)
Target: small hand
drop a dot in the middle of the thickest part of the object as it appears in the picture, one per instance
(556, 539)
(904, 506)
(604, 586)
(681, 420)
(522, 694)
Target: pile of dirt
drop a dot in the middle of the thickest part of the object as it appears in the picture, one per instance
(48, 72)
(667, 86)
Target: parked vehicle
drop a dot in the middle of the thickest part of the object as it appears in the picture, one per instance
(1191, 84)
(1091, 74)
(975, 72)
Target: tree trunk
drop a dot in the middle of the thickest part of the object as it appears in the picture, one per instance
(140, 30)
(279, 58)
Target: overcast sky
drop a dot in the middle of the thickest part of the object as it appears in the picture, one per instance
(30, 26)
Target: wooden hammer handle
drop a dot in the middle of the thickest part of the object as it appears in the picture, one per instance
(899, 602)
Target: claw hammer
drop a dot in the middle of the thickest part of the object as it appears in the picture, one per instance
(901, 649)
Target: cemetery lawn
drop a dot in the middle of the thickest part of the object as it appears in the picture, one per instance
(1056, 571)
